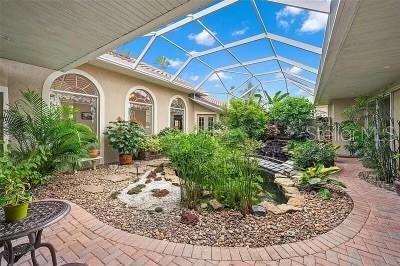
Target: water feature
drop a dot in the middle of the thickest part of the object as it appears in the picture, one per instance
(272, 191)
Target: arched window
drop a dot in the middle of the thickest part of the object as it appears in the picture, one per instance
(141, 109)
(80, 94)
(177, 114)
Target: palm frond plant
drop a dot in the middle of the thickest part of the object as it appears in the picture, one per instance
(33, 124)
(163, 62)
(277, 97)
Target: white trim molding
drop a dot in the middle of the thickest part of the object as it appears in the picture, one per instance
(4, 90)
(186, 111)
(203, 113)
(46, 97)
(154, 114)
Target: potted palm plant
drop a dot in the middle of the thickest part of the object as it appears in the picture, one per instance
(126, 137)
(14, 187)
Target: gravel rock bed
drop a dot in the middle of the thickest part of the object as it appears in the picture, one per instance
(369, 177)
(223, 228)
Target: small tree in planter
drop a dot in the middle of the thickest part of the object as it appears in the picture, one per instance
(126, 137)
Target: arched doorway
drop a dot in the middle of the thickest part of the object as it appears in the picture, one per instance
(82, 92)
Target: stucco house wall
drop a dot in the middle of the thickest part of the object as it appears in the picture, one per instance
(115, 87)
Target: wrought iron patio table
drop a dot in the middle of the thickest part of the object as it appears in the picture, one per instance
(41, 215)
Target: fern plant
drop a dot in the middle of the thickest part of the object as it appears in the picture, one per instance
(34, 125)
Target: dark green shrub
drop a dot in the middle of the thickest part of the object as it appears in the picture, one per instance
(292, 112)
(248, 115)
(311, 153)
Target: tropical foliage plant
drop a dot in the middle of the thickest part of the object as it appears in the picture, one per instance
(318, 177)
(36, 126)
(310, 153)
(248, 115)
(15, 178)
(125, 136)
(168, 130)
(277, 97)
(294, 113)
(372, 141)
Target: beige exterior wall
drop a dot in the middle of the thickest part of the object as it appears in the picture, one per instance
(335, 112)
(18, 76)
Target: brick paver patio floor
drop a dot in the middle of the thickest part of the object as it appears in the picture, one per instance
(369, 236)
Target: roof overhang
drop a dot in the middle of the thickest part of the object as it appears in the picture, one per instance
(62, 35)
(362, 55)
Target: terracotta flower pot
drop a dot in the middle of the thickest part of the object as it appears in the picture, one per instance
(93, 153)
(125, 159)
(16, 213)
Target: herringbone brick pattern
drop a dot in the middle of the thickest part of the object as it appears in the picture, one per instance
(369, 236)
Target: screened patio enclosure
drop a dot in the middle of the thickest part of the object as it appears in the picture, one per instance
(236, 48)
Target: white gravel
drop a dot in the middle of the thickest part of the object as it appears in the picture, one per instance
(145, 200)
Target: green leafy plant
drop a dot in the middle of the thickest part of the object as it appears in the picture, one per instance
(234, 137)
(125, 136)
(318, 177)
(374, 140)
(248, 115)
(208, 162)
(15, 178)
(163, 62)
(168, 130)
(325, 194)
(191, 156)
(34, 125)
(151, 143)
(292, 112)
(310, 153)
(236, 179)
(278, 96)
